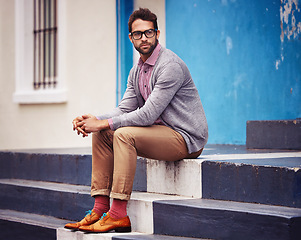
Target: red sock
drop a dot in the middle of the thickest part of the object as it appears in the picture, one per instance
(118, 209)
(101, 204)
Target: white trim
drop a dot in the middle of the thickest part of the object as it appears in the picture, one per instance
(41, 96)
(24, 93)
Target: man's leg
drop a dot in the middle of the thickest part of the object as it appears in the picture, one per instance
(156, 142)
(101, 179)
(102, 163)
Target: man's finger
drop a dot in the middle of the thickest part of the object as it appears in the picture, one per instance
(74, 125)
(79, 130)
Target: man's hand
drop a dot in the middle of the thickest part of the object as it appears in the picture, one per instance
(76, 122)
(88, 123)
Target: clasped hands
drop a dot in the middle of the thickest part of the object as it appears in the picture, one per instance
(88, 123)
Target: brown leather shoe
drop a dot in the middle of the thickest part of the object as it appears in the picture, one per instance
(106, 224)
(90, 218)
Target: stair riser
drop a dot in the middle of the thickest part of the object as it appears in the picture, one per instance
(71, 169)
(249, 183)
(13, 230)
(222, 224)
(45, 202)
(193, 178)
(68, 205)
(276, 134)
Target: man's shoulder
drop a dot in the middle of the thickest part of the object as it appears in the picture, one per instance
(167, 56)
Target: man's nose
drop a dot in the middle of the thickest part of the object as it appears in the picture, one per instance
(143, 38)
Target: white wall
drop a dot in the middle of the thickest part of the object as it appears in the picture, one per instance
(89, 69)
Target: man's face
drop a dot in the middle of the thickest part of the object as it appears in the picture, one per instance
(145, 45)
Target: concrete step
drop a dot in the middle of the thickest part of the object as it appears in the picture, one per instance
(16, 225)
(268, 178)
(65, 234)
(226, 220)
(71, 166)
(71, 201)
(157, 213)
(221, 172)
(274, 134)
(23, 226)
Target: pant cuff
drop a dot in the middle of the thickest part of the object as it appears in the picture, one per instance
(120, 196)
(104, 192)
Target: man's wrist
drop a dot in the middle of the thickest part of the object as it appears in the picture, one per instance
(103, 124)
(110, 122)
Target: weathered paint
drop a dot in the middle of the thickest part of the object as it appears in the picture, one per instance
(290, 24)
(245, 57)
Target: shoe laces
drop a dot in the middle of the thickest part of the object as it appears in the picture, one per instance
(89, 212)
(103, 216)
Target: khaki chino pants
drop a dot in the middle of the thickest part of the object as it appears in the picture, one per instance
(114, 156)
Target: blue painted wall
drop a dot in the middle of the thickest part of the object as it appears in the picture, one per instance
(124, 9)
(245, 57)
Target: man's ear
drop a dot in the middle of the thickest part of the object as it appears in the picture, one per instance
(158, 34)
(130, 37)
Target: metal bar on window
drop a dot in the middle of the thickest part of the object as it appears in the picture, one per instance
(44, 44)
(35, 42)
(45, 36)
(54, 43)
(49, 43)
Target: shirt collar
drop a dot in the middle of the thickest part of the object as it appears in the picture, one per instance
(153, 58)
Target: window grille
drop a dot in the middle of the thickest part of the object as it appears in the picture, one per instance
(45, 44)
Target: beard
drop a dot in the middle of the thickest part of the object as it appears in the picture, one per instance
(148, 51)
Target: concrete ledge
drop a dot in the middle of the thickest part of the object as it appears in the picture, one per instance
(226, 220)
(195, 178)
(179, 178)
(273, 178)
(277, 134)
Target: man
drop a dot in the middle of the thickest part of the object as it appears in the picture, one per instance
(160, 117)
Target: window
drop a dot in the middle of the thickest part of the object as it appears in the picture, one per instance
(45, 41)
(39, 50)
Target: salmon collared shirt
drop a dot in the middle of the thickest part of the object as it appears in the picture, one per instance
(146, 69)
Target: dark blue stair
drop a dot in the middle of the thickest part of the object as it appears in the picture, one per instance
(275, 181)
(274, 134)
(52, 199)
(71, 166)
(56, 183)
(25, 226)
(226, 220)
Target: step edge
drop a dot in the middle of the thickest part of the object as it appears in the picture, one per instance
(244, 207)
(32, 219)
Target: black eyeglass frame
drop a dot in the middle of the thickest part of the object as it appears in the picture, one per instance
(141, 33)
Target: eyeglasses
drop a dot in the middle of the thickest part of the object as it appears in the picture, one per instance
(148, 33)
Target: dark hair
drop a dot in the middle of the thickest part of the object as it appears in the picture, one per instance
(143, 14)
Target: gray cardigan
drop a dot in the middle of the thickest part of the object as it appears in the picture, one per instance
(174, 98)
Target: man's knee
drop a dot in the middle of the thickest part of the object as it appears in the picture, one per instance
(125, 134)
(102, 136)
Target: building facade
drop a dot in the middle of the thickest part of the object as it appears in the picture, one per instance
(60, 59)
